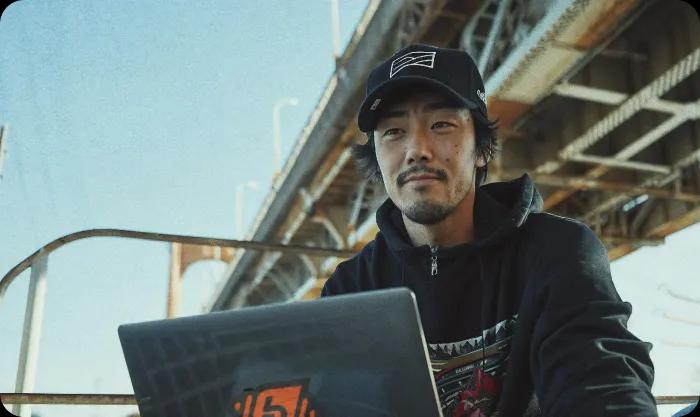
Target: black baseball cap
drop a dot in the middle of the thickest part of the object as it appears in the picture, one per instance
(451, 71)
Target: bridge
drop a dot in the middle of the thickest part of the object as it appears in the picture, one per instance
(597, 101)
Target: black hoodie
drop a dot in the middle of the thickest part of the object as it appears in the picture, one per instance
(523, 321)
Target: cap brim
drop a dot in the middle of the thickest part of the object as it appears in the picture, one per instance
(367, 117)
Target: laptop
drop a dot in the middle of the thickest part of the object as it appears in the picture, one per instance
(360, 354)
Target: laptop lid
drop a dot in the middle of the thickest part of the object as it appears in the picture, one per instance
(360, 354)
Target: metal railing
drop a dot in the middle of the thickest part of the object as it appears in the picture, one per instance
(33, 316)
(38, 262)
(127, 399)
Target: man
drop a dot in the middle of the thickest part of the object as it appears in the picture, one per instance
(518, 306)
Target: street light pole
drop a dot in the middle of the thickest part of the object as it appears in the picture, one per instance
(335, 22)
(239, 205)
(276, 129)
(3, 140)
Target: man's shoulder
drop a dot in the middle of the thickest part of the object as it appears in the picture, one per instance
(555, 231)
(563, 250)
(547, 222)
(348, 274)
(358, 273)
(361, 257)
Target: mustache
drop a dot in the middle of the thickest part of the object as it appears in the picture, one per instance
(440, 174)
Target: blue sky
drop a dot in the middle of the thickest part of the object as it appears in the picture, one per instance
(146, 115)
(143, 116)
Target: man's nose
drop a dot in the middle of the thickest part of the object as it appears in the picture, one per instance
(419, 147)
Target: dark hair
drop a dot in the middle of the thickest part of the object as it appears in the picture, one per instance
(486, 147)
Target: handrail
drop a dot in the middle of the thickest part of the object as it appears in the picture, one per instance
(164, 237)
(677, 399)
(35, 302)
(128, 399)
(65, 399)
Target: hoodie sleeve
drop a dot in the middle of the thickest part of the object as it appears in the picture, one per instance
(584, 360)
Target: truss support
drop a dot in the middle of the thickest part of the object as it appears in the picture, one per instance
(494, 33)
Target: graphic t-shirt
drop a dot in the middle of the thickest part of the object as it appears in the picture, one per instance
(469, 373)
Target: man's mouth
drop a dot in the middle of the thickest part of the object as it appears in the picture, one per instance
(422, 178)
(421, 175)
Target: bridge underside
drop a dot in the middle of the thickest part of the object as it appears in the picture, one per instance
(597, 101)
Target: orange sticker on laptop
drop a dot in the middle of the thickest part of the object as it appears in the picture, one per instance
(278, 400)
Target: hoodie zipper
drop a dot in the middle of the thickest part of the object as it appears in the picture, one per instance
(433, 261)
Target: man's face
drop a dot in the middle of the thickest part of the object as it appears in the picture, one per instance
(426, 154)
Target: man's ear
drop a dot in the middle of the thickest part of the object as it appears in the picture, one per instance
(481, 161)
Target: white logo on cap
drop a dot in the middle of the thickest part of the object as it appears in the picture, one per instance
(482, 95)
(419, 58)
(375, 104)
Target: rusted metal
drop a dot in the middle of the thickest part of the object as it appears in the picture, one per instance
(677, 399)
(626, 153)
(430, 13)
(127, 399)
(163, 237)
(676, 224)
(661, 230)
(659, 181)
(507, 112)
(66, 399)
(594, 29)
(655, 89)
(621, 163)
(310, 197)
(603, 27)
(614, 98)
(620, 251)
(582, 183)
(620, 240)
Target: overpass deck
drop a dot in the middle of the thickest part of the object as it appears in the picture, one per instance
(598, 101)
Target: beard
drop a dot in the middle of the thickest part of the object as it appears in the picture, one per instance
(427, 212)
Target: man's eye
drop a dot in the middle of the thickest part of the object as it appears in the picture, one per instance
(441, 125)
(392, 132)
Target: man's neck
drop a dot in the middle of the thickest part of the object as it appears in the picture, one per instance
(456, 228)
